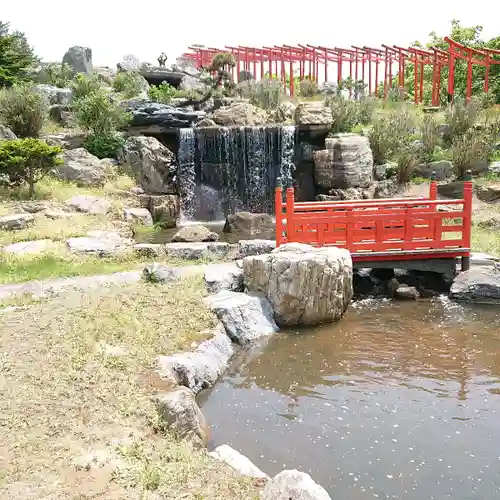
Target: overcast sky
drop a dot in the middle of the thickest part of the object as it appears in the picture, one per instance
(112, 28)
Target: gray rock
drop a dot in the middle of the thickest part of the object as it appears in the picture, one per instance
(313, 113)
(159, 273)
(245, 317)
(189, 82)
(34, 206)
(453, 189)
(196, 251)
(6, 133)
(248, 248)
(237, 461)
(293, 485)
(66, 140)
(101, 243)
(249, 224)
(386, 189)
(15, 222)
(488, 193)
(81, 167)
(346, 162)
(404, 292)
(239, 114)
(443, 169)
(380, 172)
(178, 412)
(199, 369)
(206, 122)
(29, 247)
(54, 95)
(494, 166)
(153, 117)
(478, 285)
(193, 234)
(57, 214)
(79, 59)
(152, 164)
(305, 285)
(89, 204)
(138, 215)
(129, 63)
(165, 209)
(149, 249)
(225, 277)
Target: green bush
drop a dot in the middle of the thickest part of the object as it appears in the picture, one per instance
(460, 117)
(84, 85)
(23, 110)
(162, 93)
(308, 88)
(98, 115)
(26, 161)
(390, 134)
(58, 75)
(430, 136)
(129, 83)
(266, 93)
(408, 157)
(16, 57)
(349, 113)
(468, 148)
(104, 145)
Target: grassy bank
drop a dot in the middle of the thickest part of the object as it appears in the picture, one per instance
(76, 420)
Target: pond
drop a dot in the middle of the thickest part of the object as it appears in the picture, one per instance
(397, 400)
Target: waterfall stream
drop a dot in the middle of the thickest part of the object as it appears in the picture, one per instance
(226, 169)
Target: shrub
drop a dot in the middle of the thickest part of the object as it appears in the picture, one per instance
(162, 93)
(467, 148)
(348, 113)
(98, 115)
(408, 157)
(460, 116)
(104, 145)
(129, 83)
(83, 85)
(308, 88)
(23, 110)
(266, 93)
(390, 134)
(26, 161)
(16, 57)
(58, 75)
(430, 136)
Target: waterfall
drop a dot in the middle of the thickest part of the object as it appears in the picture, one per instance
(233, 169)
(187, 172)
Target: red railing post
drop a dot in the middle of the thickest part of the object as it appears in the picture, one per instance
(290, 202)
(467, 219)
(278, 209)
(433, 187)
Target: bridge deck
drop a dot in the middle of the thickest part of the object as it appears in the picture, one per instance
(383, 229)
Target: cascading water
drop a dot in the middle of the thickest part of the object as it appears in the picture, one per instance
(187, 172)
(226, 169)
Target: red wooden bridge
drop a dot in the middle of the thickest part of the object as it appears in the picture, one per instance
(395, 229)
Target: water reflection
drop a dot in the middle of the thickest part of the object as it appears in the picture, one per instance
(397, 401)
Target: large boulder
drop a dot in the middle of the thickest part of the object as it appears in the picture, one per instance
(66, 140)
(238, 114)
(138, 215)
(249, 224)
(82, 167)
(478, 285)
(193, 234)
(89, 204)
(293, 485)
(152, 164)
(224, 277)
(313, 113)
(54, 95)
(346, 162)
(454, 190)
(79, 59)
(189, 82)
(165, 208)
(245, 317)
(178, 412)
(199, 250)
(488, 193)
(237, 461)
(16, 222)
(305, 285)
(248, 248)
(443, 169)
(6, 133)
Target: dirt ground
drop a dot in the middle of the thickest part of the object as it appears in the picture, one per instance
(76, 378)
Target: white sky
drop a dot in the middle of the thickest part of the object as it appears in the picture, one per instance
(114, 28)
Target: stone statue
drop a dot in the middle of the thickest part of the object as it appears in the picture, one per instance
(162, 60)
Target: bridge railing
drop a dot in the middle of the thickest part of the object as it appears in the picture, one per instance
(381, 229)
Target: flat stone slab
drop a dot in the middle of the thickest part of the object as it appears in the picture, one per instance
(237, 461)
(30, 247)
(89, 204)
(103, 248)
(16, 222)
(478, 285)
(249, 248)
(197, 251)
(225, 277)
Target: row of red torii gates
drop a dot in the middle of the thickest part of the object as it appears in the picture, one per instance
(372, 66)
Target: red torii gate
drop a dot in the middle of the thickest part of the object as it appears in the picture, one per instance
(281, 60)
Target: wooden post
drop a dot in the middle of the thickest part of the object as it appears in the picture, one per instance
(290, 201)
(278, 209)
(467, 219)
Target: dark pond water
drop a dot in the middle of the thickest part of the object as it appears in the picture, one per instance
(396, 401)
(165, 235)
